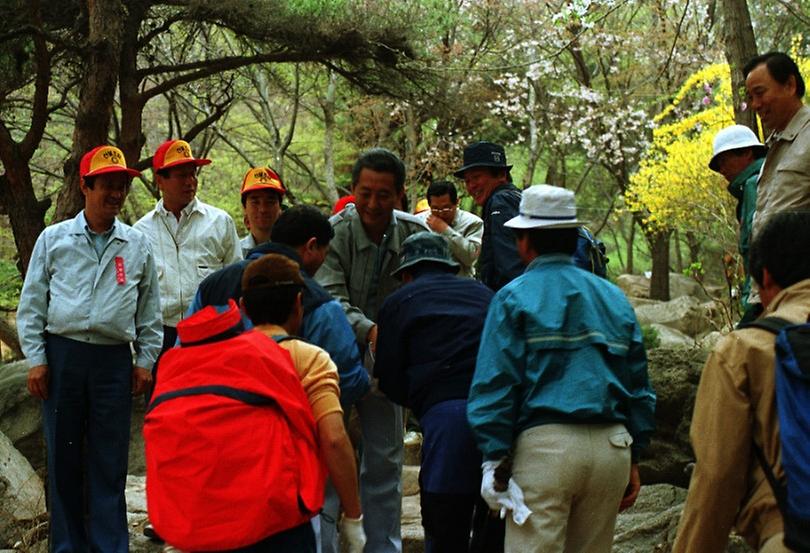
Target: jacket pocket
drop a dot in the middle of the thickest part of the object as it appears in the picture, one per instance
(621, 440)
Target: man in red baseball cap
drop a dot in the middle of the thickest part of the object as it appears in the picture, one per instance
(262, 193)
(190, 238)
(90, 294)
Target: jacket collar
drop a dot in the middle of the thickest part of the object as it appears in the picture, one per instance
(737, 186)
(801, 288)
(550, 259)
(79, 225)
(361, 237)
(793, 128)
(194, 206)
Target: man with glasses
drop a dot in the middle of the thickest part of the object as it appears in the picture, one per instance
(191, 239)
(462, 229)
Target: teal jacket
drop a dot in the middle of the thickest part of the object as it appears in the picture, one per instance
(560, 345)
(744, 188)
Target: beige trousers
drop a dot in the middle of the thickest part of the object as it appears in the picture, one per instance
(774, 544)
(573, 478)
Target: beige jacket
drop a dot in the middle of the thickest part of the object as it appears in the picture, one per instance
(784, 182)
(318, 374)
(735, 406)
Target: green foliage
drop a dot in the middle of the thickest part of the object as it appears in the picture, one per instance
(10, 285)
(650, 337)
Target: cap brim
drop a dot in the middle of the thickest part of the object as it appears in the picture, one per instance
(198, 162)
(113, 169)
(522, 222)
(280, 191)
(460, 173)
(452, 264)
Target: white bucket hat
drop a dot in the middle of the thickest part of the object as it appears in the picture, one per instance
(734, 137)
(545, 206)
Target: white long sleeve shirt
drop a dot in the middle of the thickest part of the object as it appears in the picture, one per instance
(187, 250)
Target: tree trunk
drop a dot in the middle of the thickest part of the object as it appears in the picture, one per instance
(17, 197)
(678, 255)
(659, 282)
(132, 138)
(96, 96)
(631, 247)
(328, 106)
(740, 46)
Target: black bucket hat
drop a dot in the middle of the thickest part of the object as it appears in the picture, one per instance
(483, 154)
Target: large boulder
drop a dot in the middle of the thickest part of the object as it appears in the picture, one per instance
(674, 375)
(671, 338)
(21, 413)
(652, 523)
(638, 286)
(685, 314)
(22, 495)
(21, 420)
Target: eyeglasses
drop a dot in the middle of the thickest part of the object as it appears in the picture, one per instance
(442, 210)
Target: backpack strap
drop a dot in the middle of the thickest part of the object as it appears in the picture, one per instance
(285, 337)
(775, 326)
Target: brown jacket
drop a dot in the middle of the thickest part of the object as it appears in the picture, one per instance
(784, 182)
(735, 406)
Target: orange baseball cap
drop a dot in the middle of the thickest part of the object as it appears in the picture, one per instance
(262, 178)
(175, 152)
(105, 159)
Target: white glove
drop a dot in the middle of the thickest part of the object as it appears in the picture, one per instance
(509, 500)
(352, 529)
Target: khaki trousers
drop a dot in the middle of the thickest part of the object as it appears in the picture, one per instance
(573, 478)
(774, 544)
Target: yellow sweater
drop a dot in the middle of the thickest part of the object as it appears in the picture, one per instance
(318, 374)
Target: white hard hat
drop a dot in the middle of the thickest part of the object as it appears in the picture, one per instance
(734, 138)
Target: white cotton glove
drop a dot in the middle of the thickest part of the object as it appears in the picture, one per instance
(509, 500)
(352, 529)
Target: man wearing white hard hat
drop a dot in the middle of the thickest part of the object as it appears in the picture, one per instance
(560, 391)
(737, 154)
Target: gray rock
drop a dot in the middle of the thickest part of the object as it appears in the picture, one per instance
(634, 286)
(652, 523)
(685, 314)
(22, 495)
(670, 338)
(674, 375)
(21, 420)
(638, 286)
(21, 414)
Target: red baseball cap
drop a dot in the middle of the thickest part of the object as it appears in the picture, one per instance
(175, 152)
(105, 159)
(262, 178)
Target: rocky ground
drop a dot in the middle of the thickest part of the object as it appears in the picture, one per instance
(688, 327)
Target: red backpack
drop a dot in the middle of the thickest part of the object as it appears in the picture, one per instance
(231, 446)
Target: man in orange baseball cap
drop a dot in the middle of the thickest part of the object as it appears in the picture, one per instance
(190, 238)
(90, 295)
(262, 193)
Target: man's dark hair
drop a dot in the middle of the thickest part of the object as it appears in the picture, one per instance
(548, 241)
(270, 285)
(440, 188)
(780, 66)
(300, 223)
(381, 161)
(783, 247)
(270, 305)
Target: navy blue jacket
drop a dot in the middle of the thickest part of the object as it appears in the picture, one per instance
(324, 325)
(428, 338)
(499, 261)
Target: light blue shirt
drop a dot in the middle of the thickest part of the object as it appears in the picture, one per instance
(560, 345)
(71, 291)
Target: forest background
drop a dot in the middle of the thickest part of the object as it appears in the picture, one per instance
(617, 100)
